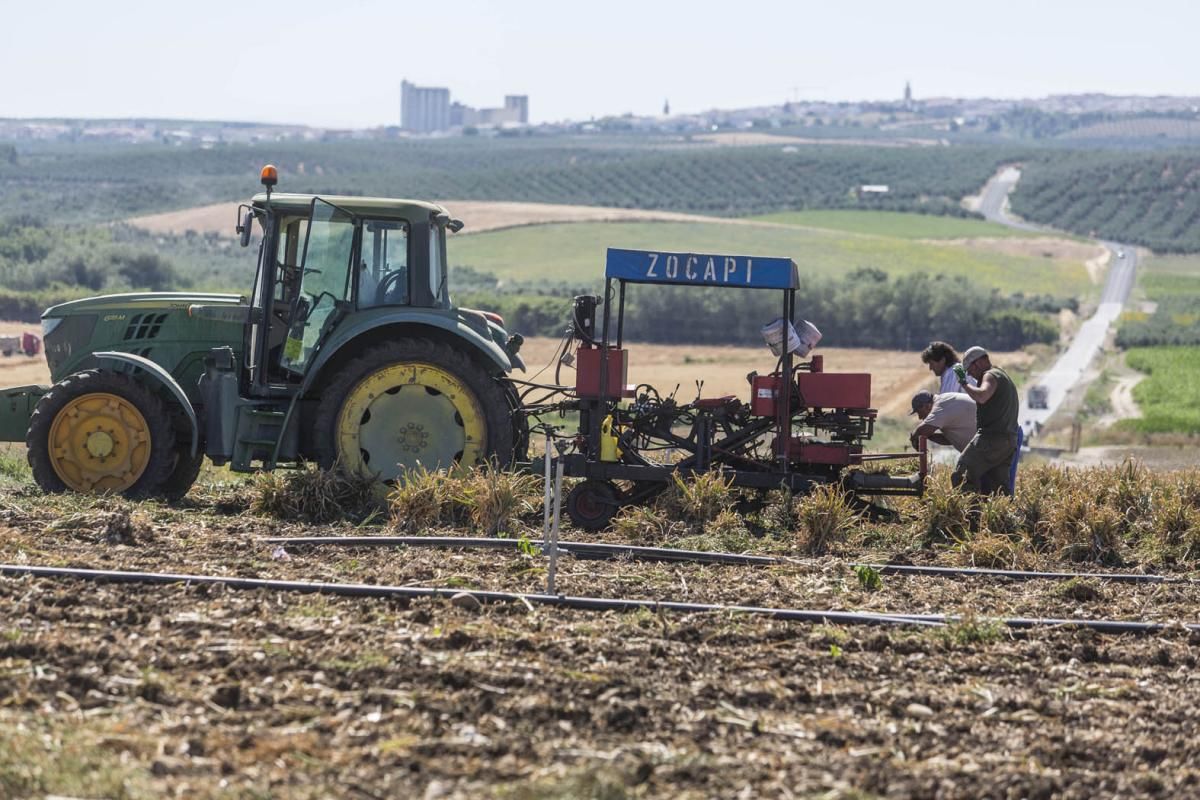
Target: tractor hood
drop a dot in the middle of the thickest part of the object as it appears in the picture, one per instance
(140, 301)
(173, 329)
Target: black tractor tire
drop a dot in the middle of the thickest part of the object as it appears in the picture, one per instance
(520, 423)
(183, 474)
(591, 505)
(489, 394)
(96, 381)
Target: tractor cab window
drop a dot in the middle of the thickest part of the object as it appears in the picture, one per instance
(437, 268)
(383, 264)
(325, 281)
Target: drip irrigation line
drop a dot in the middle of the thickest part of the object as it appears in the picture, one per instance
(580, 603)
(593, 550)
(1098, 625)
(588, 550)
(377, 591)
(1016, 574)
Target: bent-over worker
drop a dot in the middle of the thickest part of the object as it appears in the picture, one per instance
(947, 418)
(985, 462)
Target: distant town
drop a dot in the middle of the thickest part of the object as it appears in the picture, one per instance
(428, 111)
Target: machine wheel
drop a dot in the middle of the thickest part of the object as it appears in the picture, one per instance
(591, 505)
(98, 431)
(410, 403)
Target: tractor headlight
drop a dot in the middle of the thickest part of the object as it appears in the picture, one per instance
(49, 324)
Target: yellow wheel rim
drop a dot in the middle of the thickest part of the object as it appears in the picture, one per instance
(408, 415)
(99, 443)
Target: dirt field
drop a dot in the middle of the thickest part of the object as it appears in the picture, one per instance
(170, 691)
(22, 370)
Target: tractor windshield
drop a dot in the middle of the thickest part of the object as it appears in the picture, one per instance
(325, 283)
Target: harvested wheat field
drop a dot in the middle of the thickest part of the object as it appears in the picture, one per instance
(202, 691)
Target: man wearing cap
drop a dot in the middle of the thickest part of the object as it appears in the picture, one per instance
(946, 418)
(984, 464)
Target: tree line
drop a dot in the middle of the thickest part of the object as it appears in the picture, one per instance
(866, 308)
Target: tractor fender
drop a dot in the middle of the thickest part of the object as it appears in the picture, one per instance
(418, 318)
(166, 380)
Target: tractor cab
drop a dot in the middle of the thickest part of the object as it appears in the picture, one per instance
(325, 259)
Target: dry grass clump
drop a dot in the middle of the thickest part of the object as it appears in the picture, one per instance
(1084, 529)
(315, 495)
(493, 499)
(945, 513)
(825, 518)
(698, 500)
(727, 533)
(422, 499)
(488, 499)
(647, 525)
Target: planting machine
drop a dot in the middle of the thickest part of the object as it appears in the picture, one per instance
(801, 428)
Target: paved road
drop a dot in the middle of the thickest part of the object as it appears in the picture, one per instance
(1070, 366)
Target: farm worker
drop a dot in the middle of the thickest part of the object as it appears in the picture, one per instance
(941, 358)
(946, 418)
(984, 464)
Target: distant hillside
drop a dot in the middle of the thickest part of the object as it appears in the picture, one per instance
(1151, 200)
(1184, 130)
(106, 182)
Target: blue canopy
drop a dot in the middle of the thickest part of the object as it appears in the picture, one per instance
(700, 269)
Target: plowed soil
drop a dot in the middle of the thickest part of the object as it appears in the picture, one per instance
(192, 691)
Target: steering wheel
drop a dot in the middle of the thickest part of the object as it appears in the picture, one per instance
(388, 284)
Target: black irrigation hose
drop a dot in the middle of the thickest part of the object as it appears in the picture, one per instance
(1098, 625)
(591, 550)
(588, 550)
(583, 603)
(370, 590)
(1016, 574)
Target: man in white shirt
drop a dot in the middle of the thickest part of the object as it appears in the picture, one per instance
(947, 418)
(941, 358)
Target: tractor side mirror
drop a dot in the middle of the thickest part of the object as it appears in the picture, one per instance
(455, 225)
(245, 228)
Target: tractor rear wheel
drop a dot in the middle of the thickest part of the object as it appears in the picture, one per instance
(98, 431)
(412, 403)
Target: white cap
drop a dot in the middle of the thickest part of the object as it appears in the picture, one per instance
(972, 355)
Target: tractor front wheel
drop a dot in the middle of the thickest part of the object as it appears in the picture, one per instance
(412, 403)
(98, 431)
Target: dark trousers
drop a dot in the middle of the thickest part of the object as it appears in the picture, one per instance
(984, 464)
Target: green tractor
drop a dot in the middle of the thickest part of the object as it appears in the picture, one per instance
(347, 351)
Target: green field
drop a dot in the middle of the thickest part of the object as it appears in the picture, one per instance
(574, 253)
(1170, 396)
(895, 224)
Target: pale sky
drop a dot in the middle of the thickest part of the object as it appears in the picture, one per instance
(340, 63)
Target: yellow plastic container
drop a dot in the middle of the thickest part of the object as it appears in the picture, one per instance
(608, 441)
